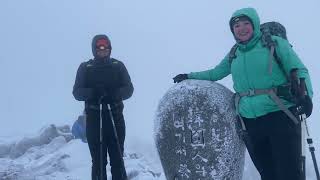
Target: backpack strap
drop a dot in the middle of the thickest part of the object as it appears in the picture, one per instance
(271, 55)
(272, 92)
(268, 42)
(277, 59)
(232, 53)
(89, 63)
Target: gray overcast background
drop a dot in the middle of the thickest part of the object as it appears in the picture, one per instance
(42, 43)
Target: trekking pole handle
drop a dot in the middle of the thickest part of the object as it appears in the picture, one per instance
(101, 99)
(307, 128)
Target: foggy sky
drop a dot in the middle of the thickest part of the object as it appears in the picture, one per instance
(43, 42)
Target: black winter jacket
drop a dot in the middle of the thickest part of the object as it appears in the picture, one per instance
(111, 74)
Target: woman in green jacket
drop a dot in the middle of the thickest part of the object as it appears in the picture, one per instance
(275, 139)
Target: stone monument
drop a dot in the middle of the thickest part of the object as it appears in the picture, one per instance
(196, 133)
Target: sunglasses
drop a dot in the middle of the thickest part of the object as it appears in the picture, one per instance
(102, 48)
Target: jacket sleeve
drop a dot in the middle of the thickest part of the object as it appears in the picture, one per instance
(80, 92)
(126, 88)
(220, 71)
(290, 60)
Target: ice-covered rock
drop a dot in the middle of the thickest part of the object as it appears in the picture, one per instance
(196, 133)
(46, 135)
(36, 161)
(5, 149)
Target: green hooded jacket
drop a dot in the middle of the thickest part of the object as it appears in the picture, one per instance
(249, 70)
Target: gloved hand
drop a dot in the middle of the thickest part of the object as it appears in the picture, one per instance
(114, 96)
(306, 105)
(180, 77)
(99, 93)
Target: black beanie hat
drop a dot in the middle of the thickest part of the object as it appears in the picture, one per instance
(237, 19)
(96, 39)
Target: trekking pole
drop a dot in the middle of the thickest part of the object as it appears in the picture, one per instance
(301, 91)
(101, 139)
(311, 147)
(303, 146)
(124, 175)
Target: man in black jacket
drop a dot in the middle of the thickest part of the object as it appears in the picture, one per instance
(104, 80)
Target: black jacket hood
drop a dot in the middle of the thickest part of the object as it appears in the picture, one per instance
(94, 41)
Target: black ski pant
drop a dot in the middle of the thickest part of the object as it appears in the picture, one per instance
(109, 141)
(275, 146)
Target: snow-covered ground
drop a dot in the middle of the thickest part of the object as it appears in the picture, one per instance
(62, 160)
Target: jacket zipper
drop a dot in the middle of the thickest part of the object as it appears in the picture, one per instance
(249, 84)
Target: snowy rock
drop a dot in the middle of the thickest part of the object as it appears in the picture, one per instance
(196, 133)
(37, 161)
(47, 134)
(62, 159)
(5, 149)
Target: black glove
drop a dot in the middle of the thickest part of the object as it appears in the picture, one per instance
(99, 93)
(305, 105)
(110, 97)
(180, 77)
(114, 96)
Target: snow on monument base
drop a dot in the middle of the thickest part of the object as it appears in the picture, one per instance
(196, 133)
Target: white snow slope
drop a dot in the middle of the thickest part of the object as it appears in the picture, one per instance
(62, 160)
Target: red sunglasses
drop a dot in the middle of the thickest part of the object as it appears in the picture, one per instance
(102, 44)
